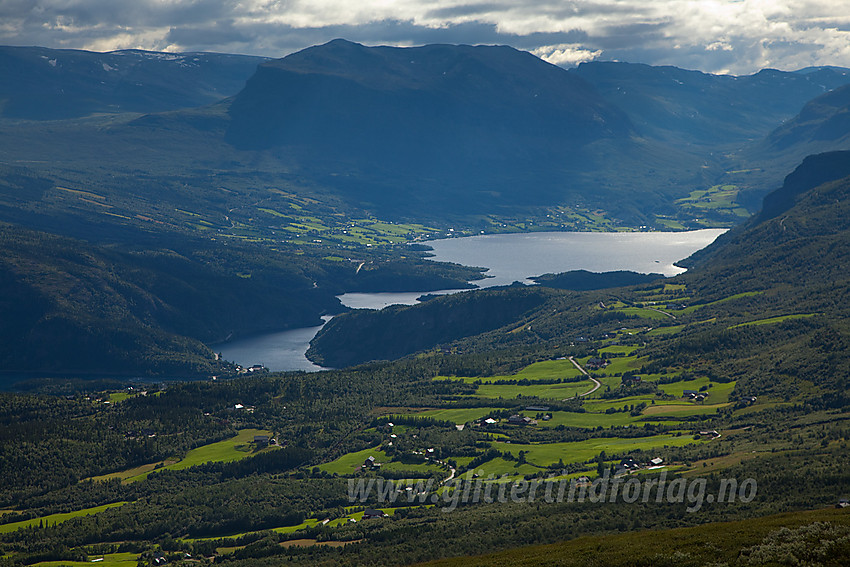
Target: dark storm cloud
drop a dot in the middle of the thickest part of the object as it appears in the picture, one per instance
(712, 35)
(209, 37)
(450, 12)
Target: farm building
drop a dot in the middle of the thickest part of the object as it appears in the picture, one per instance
(372, 513)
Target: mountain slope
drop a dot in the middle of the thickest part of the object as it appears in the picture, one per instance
(824, 120)
(364, 335)
(48, 84)
(815, 170)
(344, 89)
(483, 126)
(696, 108)
(823, 125)
(799, 237)
(71, 307)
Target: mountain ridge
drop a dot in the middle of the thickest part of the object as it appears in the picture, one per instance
(693, 107)
(49, 84)
(468, 121)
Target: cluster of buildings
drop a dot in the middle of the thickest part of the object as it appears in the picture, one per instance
(631, 380)
(518, 418)
(628, 465)
(515, 419)
(255, 369)
(241, 407)
(710, 433)
(695, 396)
(264, 440)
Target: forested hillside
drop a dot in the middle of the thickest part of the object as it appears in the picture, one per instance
(72, 307)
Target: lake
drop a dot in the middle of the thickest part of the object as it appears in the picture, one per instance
(283, 350)
(509, 257)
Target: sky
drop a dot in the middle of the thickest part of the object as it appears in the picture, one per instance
(715, 36)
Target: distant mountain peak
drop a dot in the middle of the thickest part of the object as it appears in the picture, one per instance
(463, 118)
(47, 84)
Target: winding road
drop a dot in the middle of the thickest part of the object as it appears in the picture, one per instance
(660, 311)
(597, 383)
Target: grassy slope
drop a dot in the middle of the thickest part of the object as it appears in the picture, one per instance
(350, 462)
(711, 544)
(112, 559)
(56, 518)
(233, 449)
(575, 452)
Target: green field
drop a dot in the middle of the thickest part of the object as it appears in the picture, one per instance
(579, 451)
(500, 466)
(112, 559)
(669, 224)
(281, 530)
(348, 463)
(644, 313)
(660, 408)
(772, 320)
(718, 393)
(718, 199)
(116, 397)
(555, 391)
(693, 308)
(618, 349)
(303, 227)
(619, 364)
(309, 523)
(684, 410)
(135, 473)
(599, 405)
(56, 518)
(456, 415)
(233, 449)
(544, 370)
(589, 420)
(663, 331)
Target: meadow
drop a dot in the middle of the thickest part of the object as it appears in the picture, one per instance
(54, 519)
(126, 559)
(350, 462)
(233, 449)
(580, 451)
(543, 370)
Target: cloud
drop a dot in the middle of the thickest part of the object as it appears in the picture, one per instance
(566, 54)
(739, 36)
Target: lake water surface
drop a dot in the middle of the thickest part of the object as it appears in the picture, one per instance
(283, 350)
(509, 257)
